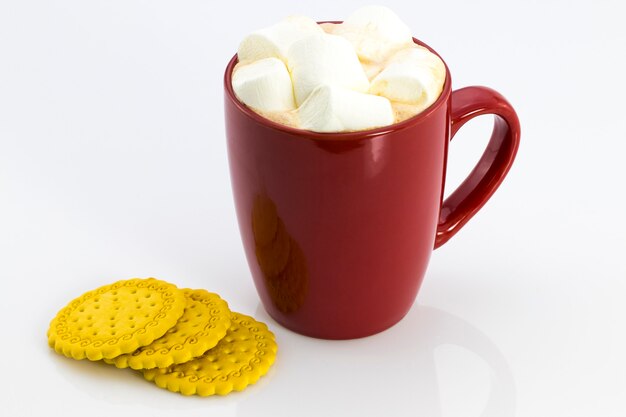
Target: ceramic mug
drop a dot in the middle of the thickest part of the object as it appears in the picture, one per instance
(338, 228)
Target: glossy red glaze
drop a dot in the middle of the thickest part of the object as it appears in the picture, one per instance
(338, 228)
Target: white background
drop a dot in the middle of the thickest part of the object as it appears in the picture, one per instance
(113, 165)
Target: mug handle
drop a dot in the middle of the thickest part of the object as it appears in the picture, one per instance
(492, 167)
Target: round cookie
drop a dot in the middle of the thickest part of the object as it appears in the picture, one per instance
(239, 359)
(203, 324)
(116, 319)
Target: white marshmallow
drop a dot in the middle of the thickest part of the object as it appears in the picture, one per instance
(413, 76)
(335, 109)
(274, 41)
(264, 85)
(324, 59)
(375, 32)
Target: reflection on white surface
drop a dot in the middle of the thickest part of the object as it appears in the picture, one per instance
(430, 364)
(125, 387)
(429, 357)
(113, 165)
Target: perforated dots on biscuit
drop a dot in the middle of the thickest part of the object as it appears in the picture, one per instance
(187, 341)
(203, 324)
(239, 359)
(116, 319)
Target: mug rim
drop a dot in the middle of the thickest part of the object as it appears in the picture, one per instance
(359, 134)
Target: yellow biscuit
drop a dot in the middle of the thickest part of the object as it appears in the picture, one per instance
(116, 319)
(239, 359)
(203, 324)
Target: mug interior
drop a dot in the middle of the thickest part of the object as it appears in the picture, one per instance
(361, 134)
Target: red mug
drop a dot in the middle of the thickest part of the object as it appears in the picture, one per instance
(338, 228)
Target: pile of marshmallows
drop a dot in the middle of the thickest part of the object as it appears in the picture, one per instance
(364, 73)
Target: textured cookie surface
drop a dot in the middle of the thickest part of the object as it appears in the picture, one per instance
(116, 319)
(203, 324)
(239, 359)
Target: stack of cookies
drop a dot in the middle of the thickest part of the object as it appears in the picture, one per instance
(183, 340)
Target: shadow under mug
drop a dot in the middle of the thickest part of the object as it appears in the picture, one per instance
(338, 228)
